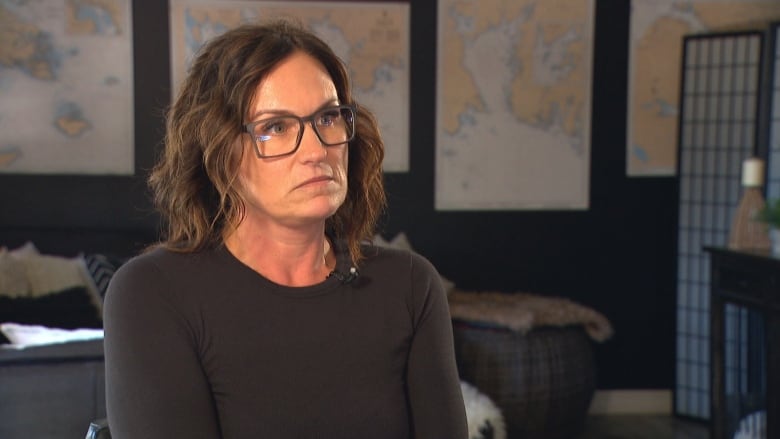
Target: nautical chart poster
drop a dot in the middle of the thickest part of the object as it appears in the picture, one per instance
(66, 87)
(372, 38)
(513, 104)
(657, 30)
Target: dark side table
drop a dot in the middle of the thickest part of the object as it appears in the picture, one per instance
(744, 349)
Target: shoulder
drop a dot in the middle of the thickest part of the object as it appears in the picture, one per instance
(156, 273)
(136, 275)
(398, 258)
(163, 262)
(410, 277)
(403, 271)
(149, 264)
(150, 294)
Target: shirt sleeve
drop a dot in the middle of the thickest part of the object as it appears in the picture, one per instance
(437, 407)
(155, 385)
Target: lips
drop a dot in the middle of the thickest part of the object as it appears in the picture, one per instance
(322, 178)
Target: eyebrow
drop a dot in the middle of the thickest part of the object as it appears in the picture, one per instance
(280, 112)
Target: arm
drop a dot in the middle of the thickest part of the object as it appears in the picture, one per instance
(435, 397)
(155, 386)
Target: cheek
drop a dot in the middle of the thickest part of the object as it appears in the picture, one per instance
(344, 169)
(244, 169)
(344, 163)
(341, 174)
(249, 175)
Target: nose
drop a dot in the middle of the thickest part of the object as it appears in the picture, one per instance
(311, 146)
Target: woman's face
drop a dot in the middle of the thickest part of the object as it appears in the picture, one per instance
(305, 187)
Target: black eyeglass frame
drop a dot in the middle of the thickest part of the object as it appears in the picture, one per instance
(249, 128)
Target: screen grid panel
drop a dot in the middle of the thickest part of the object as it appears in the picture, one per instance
(773, 161)
(720, 82)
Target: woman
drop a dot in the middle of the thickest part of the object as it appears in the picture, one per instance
(263, 313)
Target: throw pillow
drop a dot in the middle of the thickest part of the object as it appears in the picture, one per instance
(47, 290)
(13, 277)
(26, 249)
(13, 274)
(101, 269)
(47, 273)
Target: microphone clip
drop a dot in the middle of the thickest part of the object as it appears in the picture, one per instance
(346, 278)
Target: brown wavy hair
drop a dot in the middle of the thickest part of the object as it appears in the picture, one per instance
(194, 183)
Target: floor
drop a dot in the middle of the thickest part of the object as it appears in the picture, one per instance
(643, 427)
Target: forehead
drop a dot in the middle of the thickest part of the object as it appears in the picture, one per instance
(297, 81)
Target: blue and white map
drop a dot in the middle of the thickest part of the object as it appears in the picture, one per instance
(372, 38)
(657, 31)
(513, 104)
(66, 83)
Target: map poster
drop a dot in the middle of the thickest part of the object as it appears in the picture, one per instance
(371, 38)
(657, 31)
(513, 104)
(66, 87)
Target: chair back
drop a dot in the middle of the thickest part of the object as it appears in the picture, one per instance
(98, 429)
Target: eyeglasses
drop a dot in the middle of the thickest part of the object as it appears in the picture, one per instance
(281, 135)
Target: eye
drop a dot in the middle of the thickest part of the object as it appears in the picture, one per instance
(274, 127)
(328, 117)
(266, 130)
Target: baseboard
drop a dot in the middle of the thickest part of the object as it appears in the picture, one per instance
(630, 401)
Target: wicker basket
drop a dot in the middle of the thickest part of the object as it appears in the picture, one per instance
(543, 380)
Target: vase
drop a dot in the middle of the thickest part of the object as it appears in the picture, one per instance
(747, 232)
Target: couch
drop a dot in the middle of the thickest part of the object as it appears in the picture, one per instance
(51, 391)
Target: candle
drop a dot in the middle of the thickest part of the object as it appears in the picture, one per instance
(752, 172)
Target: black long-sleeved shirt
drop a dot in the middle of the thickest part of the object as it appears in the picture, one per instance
(201, 346)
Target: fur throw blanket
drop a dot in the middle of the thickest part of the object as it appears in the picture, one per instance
(483, 417)
(523, 311)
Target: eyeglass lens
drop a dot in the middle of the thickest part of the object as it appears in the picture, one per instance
(282, 135)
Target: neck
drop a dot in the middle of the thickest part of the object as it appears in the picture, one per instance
(284, 259)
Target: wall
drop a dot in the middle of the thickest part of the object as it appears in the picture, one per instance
(617, 257)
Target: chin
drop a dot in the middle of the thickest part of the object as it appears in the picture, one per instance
(322, 210)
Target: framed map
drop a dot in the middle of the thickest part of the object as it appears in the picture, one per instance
(513, 104)
(657, 30)
(66, 81)
(371, 38)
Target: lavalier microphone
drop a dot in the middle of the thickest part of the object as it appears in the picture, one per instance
(346, 278)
